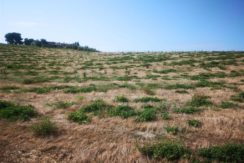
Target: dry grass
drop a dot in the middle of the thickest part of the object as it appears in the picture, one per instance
(113, 139)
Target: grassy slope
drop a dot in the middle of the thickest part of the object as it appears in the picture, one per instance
(207, 87)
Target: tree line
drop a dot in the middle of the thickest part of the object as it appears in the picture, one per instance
(16, 39)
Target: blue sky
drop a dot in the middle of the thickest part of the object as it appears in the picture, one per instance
(129, 25)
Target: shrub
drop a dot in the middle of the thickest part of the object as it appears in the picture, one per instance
(79, 116)
(123, 111)
(225, 153)
(194, 123)
(167, 149)
(121, 99)
(172, 129)
(44, 128)
(148, 114)
(148, 99)
(14, 112)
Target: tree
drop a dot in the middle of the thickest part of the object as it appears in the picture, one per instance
(28, 41)
(13, 38)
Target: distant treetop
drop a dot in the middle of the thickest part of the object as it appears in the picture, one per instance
(16, 39)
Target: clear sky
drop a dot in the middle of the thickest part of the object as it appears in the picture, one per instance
(129, 25)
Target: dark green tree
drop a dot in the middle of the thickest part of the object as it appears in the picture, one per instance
(14, 38)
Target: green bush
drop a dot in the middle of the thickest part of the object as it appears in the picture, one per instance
(168, 149)
(14, 112)
(226, 153)
(148, 114)
(121, 99)
(123, 111)
(78, 116)
(148, 99)
(44, 128)
(194, 123)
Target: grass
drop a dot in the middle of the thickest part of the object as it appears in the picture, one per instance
(238, 97)
(45, 127)
(62, 104)
(79, 117)
(199, 100)
(122, 99)
(172, 129)
(187, 110)
(194, 123)
(148, 114)
(227, 104)
(11, 111)
(165, 116)
(170, 150)
(148, 99)
(123, 111)
(225, 153)
(98, 107)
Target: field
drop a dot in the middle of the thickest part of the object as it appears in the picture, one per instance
(60, 105)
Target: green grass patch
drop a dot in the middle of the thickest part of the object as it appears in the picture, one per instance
(194, 123)
(98, 107)
(123, 111)
(187, 110)
(62, 104)
(225, 153)
(79, 117)
(238, 97)
(148, 99)
(170, 150)
(199, 100)
(172, 129)
(121, 99)
(228, 104)
(11, 111)
(148, 114)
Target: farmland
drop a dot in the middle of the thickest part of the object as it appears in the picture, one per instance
(63, 105)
